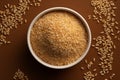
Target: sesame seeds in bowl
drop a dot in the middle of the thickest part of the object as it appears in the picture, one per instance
(59, 37)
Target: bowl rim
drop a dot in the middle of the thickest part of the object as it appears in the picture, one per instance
(79, 17)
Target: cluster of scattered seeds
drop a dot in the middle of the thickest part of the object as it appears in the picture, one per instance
(19, 75)
(89, 64)
(104, 12)
(104, 46)
(12, 16)
(36, 3)
(111, 77)
(89, 76)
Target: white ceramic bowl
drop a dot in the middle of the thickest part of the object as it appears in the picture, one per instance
(56, 9)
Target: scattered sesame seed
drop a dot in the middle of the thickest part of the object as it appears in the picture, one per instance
(85, 61)
(89, 16)
(94, 59)
(82, 68)
(94, 69)
(25, 20)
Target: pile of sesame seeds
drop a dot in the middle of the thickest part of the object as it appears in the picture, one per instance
(104, 13)
(12, 16)
(19, 75)
(60, 43)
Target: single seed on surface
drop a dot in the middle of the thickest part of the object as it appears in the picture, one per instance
(82, 68)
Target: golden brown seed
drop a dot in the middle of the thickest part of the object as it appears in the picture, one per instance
(82, 68)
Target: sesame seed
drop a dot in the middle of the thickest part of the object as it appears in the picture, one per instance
(89, 16)
(82, 68)
(85, 61)
(94, 59)
(94, 69)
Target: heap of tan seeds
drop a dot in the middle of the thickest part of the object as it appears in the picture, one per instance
(104, 12)
(19, 75)
(12, 17)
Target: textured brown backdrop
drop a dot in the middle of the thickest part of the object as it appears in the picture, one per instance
(16, 55)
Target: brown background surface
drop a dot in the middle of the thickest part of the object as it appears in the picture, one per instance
(16, 55)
